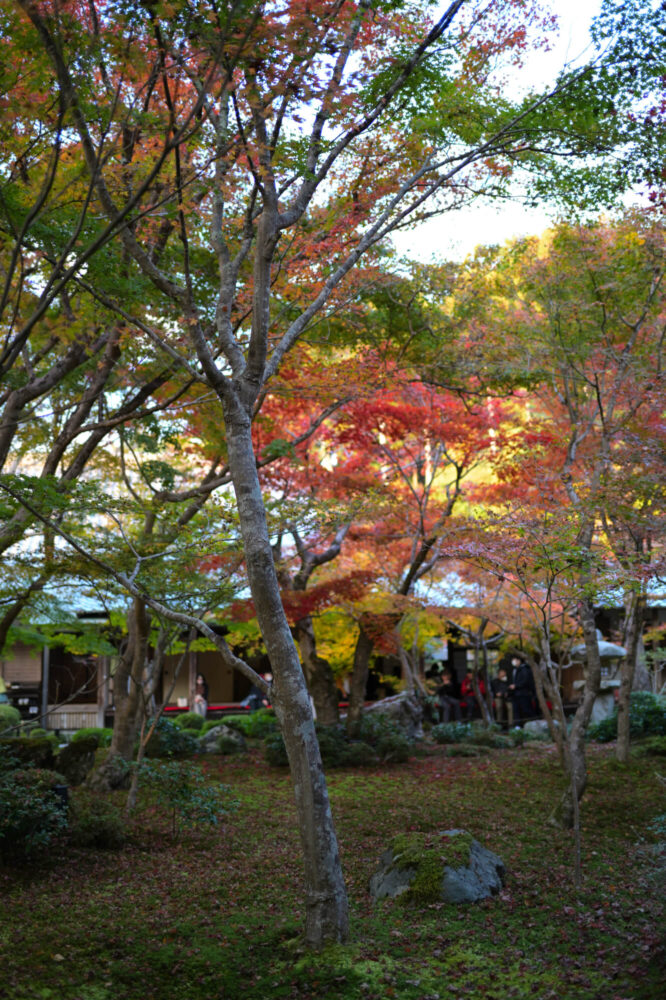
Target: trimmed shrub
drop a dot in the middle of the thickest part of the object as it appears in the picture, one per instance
(96, 822)
(386, 736)
(653, 746)
(275, 750)
(451, 732)
(466, 750)
(332, 745)
(31, 814)
(359, 754)
(38, 752)
(211, 724)
(255, 725)
(9, 717)
(189, 720)
(169, 740)
(102, 736)
(227, 745)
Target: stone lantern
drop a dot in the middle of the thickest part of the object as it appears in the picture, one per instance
(610, 655)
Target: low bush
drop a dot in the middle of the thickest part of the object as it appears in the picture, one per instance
(226, 744)
(466, 750)
(451, 732)
(37, 752)
(386, 736)
(647, 717)
(653, 746)
(210, 724)
(95, 821)
(480, 735)
(9, 718)
(169, 740)
(359, 754)
(183, 789)
(380, 739)
(102, 736)
(332, 745)
(255, 725)
(189, 720)
(275, 750)
(31, 813)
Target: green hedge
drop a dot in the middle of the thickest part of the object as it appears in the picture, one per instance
(9, 717)
(189, 720)
(255, 725)
(102, 736)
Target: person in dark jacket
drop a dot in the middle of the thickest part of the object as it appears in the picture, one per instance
(522, 691)
(447, 697)
(502, 704)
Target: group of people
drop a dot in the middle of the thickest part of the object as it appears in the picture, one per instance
(513, 694)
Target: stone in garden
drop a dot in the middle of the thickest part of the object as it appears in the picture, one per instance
(449, 866)
(537, 727)
(222, 739)
(77, 759)
(405, 709)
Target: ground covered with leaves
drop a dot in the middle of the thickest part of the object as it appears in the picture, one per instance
(218, 914)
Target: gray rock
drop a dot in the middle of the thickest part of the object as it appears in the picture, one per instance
(537, 727)
(481, 876)
(222, 739)
(76, 760)
(405, 709)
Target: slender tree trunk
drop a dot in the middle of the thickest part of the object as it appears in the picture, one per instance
(486, 714)
(318, 674)
(359, 682)
(547, 688)
(633, 626)
(128, 702)
(576, 744)
(326, 899)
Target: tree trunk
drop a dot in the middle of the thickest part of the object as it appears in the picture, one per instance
(318, 674)
(577, 767)
(546, 686)
(359, 682)
(128, 702)
(327, 916)
(633, 626)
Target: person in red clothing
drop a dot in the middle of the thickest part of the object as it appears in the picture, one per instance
(467, 695)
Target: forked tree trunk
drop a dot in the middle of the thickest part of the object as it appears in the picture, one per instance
(326, 899)
(318, 674)
(128, 703)
(633, 627)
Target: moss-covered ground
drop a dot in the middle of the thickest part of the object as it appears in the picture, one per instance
(218, 914)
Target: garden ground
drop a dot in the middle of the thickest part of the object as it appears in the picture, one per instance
(218, 914)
